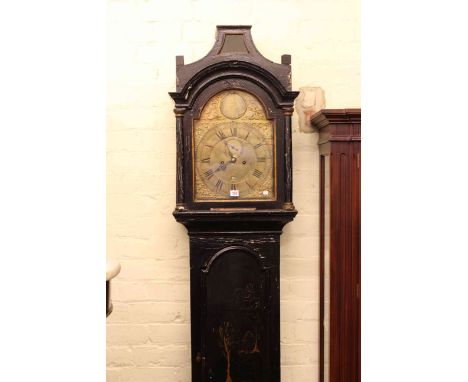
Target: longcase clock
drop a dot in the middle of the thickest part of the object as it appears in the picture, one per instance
(234, 195)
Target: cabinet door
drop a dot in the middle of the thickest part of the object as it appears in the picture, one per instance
(235, 309)
(236, 319)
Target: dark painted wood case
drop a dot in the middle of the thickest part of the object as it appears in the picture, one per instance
(234, 281)
(340, 243)
(234, 247)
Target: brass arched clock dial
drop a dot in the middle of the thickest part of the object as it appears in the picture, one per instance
(234, 155)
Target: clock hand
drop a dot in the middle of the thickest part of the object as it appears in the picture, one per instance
(221, 166)
(224, 165)
(215, 168)
(235, 149)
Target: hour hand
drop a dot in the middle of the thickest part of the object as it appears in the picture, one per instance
(221, 166)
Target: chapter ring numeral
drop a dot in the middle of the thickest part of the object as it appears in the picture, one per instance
(209, 174)
(220, 135)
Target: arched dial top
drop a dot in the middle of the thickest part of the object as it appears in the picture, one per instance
(234, 151)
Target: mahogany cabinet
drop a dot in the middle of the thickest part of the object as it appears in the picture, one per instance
(340, 243)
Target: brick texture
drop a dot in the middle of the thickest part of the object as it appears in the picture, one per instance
(148, 334)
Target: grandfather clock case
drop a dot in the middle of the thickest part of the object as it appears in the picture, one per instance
(340, 243)
(234, 195)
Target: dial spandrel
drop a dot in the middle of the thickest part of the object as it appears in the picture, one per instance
(233, 150)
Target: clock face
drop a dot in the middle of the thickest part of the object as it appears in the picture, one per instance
(234, 152)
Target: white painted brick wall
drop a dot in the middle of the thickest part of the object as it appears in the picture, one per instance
(148, 334)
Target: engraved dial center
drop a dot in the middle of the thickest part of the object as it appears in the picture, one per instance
(234, 152)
